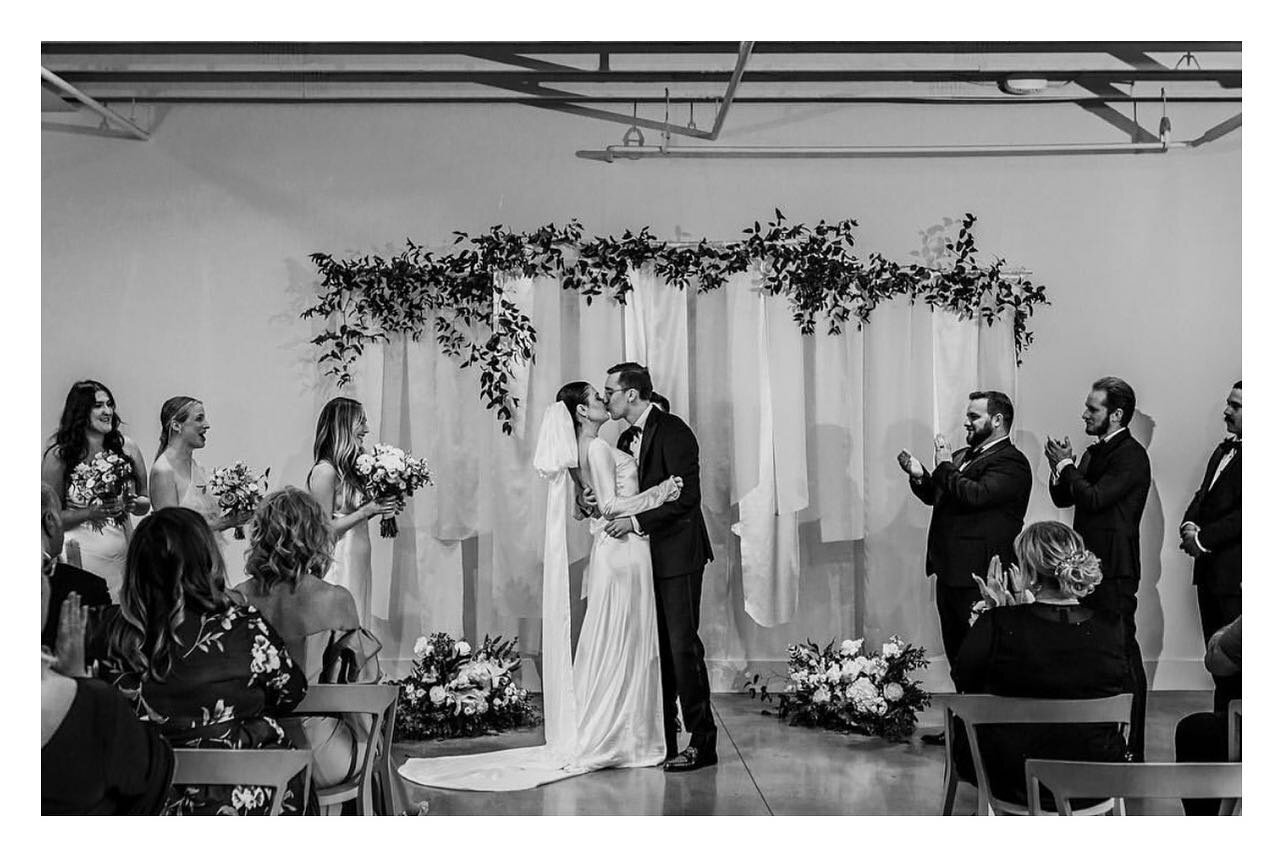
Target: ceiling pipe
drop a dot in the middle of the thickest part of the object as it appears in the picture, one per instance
(636, 153)
(109, 115)
(746, 48)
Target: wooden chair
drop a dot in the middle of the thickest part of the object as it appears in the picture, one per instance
(390, 788)
(984, 710)
(378, 701)
(273, 768)
(1121, 780)
(1236, 730)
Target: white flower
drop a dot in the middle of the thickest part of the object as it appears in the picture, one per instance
(798, 678)
(364, 463)
(893, 691)
(850, 648)
(860, 665)
(821, 695)
(850, 670)
(863, 689)
(891, 649)
(482, 707)
(834, 674)
(436, 694)
(420, 647)
(462, 649)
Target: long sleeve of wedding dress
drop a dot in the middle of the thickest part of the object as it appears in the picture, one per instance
(602, 462)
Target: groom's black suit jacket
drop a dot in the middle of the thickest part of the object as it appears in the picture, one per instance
(678, 537)
(978, 511)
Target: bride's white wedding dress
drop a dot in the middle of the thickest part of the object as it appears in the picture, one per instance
(613, 716)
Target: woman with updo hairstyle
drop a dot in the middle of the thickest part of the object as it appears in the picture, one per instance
(291, 545)
(177, 478)
(208, 671)
(1051, 647)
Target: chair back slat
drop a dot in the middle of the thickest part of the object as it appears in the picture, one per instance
(377, 701)
(1236, 730)
(1067, 780)
(215, 767)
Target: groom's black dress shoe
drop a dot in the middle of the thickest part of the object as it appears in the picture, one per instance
(935, 739)
(691, 759)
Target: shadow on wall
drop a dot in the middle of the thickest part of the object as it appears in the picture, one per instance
(1149, 609)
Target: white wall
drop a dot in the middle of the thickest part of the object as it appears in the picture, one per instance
(179, 265)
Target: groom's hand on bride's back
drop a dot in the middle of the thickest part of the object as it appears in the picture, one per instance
(586, 503)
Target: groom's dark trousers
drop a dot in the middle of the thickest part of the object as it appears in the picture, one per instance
(679, 550)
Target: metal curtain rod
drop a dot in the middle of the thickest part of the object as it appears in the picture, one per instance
(102, 110)
(612, 154)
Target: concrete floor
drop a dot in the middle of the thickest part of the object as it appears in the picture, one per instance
(768, 768)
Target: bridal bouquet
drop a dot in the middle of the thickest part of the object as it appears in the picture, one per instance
(848, 689)
(103, 479)
(390, 473)
(239, 490)
(456, 691)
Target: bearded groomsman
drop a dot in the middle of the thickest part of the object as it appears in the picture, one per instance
(978, 497)
(1212, 533)
(1108, 489)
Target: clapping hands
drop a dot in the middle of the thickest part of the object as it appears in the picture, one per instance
(944, 452)
(911, 465)
(73, 622)
(999, 590)
(1058, 450)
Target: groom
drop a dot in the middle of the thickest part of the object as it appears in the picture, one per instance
(663, 446)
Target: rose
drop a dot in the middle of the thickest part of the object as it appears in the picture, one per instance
(850, 670)
(893, 692)
(436, 694)
(421, 647)
(462, 649)
(821, 696)
(364, 464)
(891, 649)
(850, 648)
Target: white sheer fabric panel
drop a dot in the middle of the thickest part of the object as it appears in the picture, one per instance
(655, 335)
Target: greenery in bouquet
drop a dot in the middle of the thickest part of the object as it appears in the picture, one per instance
(457, 691)
(846, 688)
(390, 473)
(105, 478)
(239, 491)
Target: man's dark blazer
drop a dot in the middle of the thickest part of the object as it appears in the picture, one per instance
(1218, 511)
(978, 512)
(65, 580)
(1108, 489)
(678, 537)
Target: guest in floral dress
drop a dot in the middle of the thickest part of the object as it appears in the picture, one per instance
(210, 672)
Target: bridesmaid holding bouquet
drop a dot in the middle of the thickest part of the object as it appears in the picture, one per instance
(87, 450)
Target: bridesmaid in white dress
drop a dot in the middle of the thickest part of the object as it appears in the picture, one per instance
(618, 713)
(90, 425)
(177, 478)
(333, 481)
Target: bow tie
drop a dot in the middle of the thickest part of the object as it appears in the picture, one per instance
(970, 453)
(1231, 444)
(627, 436)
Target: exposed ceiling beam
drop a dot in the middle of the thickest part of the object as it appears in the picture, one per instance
(108, 115)
(1225, 77)
(1218, 131)
(1111, 115)
(412, 48)
(571, 98)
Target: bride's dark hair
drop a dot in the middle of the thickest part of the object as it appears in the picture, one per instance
(573, 395)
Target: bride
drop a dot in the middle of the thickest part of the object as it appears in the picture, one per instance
(606, 710)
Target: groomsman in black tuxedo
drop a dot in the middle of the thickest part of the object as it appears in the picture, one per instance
(1108, 489)
(1212, 533)
(663, 445)
(978, 496)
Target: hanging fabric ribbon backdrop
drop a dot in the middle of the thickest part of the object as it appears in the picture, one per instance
(815, 533)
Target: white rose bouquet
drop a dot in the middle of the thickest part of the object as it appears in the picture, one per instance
(456, 690)
(846, 688)
(389, 473)
(103, 479)
(239, 490)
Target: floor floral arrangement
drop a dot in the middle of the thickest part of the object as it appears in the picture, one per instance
(456, 691)
(846, 688)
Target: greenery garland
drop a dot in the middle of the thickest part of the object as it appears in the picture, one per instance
(369, 298)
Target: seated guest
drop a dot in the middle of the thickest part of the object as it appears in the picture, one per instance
(64, 579)
(1051, 648)
(291, 548)
(210, 672)
(96, 757)
(1205, 736)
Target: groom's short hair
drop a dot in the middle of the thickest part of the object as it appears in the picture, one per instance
(997, 403)
(633, 376)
